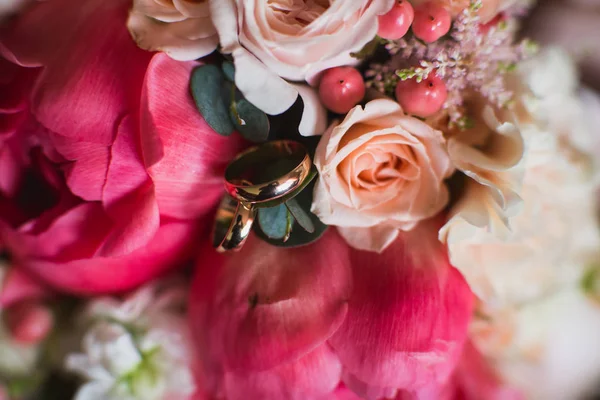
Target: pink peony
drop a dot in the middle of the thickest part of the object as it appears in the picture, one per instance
(329, 322)
(130, 170)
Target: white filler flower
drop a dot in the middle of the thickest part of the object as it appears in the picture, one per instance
(138, 348)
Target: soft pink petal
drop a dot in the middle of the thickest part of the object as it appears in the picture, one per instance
(185, 157)
(407, 317)
(136, 221)
(18, 286)
(475, 379)
(92, 67)
(312, 377)
(266, 305)
(88, 276)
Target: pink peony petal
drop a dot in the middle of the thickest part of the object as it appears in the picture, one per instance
(185, 157)
(312, 377)
(475, 379)
(266, 305)
(88, 276)
(19, 286)
(92, 67)
(407, 317)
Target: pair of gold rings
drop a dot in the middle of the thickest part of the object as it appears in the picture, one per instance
(255, 178)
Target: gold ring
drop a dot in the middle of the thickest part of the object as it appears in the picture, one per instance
(232, 224)
(254, 176)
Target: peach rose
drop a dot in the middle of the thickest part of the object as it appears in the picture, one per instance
(381, 171)
(294, 40)
(181, 28)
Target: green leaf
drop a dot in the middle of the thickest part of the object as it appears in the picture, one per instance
(311, 175)
(228, 70)
(250, 122)
(299, 237)
(302, 217)
(275, 222)
(206, 85)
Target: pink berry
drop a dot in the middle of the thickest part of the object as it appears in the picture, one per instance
(424, 98)
(341, 88)
(29, 323)
(395, 23)
(432, 21)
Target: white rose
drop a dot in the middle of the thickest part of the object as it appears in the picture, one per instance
(291, 39)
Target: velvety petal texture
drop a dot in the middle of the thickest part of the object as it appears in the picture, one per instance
(120, 167)
(273, 323)
(407, 317)
(262, 318)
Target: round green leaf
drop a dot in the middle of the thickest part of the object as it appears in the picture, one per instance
(206, 86)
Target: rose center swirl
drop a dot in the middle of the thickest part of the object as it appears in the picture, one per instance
(298, 12)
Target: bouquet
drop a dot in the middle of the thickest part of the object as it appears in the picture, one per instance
(299, 200)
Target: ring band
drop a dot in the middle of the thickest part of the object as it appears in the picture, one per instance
(232, 224)
(250, 176)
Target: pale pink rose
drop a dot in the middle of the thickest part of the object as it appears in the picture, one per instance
(381, 171)
(180, 28)
(293, 40)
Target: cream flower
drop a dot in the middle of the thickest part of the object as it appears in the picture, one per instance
(136, 349)
(291, 39)
(381, 171)
(488, 152)
(555, 234)
(549, 348)
(181, 28)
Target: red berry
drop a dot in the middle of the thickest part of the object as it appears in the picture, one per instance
(424, 98)
(29, 323)
(341, 88)
(395, 23)
(432, 21)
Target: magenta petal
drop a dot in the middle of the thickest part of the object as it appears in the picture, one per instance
(19, 286)
(92, 67)
(126, 171)
(266, 305)
(407, 317)
(185, 157)
(475, 379)
(310, 378)
(99, 275)
(136, 221)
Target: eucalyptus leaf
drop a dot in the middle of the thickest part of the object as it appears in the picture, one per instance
(206, 86)
(299, 237)
(250, 122)
(302, 217)
(275, 222)
(229, 70)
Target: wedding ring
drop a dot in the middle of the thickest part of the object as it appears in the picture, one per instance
(255, 176)
(232, 224)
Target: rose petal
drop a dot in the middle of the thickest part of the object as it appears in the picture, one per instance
(260, 86)
(314, 115)
(408, 314)
(267, 305)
